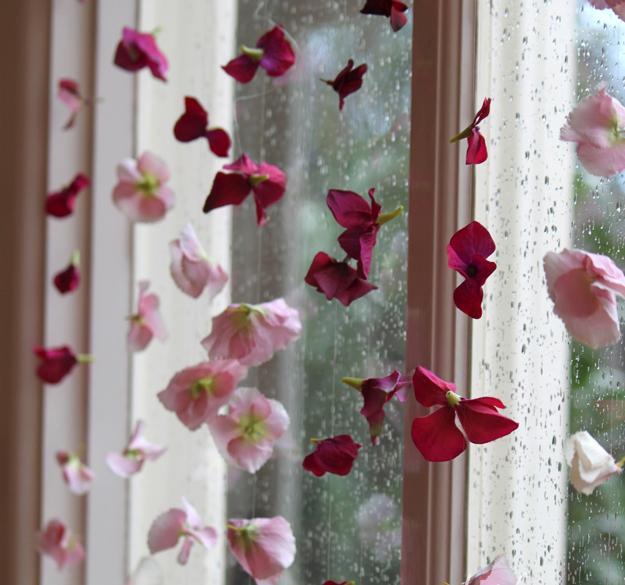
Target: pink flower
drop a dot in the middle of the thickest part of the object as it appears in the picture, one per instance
(142, 193)
(394, 9)
(68, 279)
(476, 144)
(193, 124)
(436, 435)
(58, 543)
(76, 474)
(146, 323)
(617, 6)
(333, 455)
(584, 287)
(69, 93)
(137, 50)
(266, 182)
(251, 334)
(497, 573)
(57, 362)
(273, 53)
(466, 254)
(347, 81)
(190, 268)
(336, 280)
(264, 547)
(246, 433)
(61, 203)
(195, 394)
(176, 523)
(137, 452)
(597, 125)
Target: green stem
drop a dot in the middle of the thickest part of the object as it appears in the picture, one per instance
(620, 463)
(252, 53)
(75, 259)
(355, 383)
(386, 217)
(84, 358)
(464, 134)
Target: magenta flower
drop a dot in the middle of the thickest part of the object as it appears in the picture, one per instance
(467, 254)
(57, 362)
(133, 457)
(347, 81)
(68, 279)
(617, 6)
(332, 455)
(246, 433)
(584, 288)
(176, 523)
(436, 435)
(394, 9)
(376, 392)
(264, 547)
(339, 583)
(61, 203)
(251, 334)
(141, 192)
(69, 93)
(273, 53)
(190, 268)
(476, 144)
(147, 322)
(195, 394)
(336, 280)
(137, 50)
(57, 542)
(266, 182)
(76, 474)
(496, 573)
(193, 124)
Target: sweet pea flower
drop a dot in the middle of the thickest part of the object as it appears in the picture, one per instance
(57, 542)
(147, 322)
(332, 455)
(376, 392)
(148, 572)
(496, 573)
(137, 50)
(393, 9)
(347, 81)
(57, 362)
(69, 93)
(193, 124)
(264, 547)
(617, 6)
(251, 334)
(591, 465)
(133, 457)
(337, 583)
(195, 394)
(247, 431)
(337, 280)
(266, 182)
(273, 53)
(476, 144)
(142, 193)
(584, 287)
(61, 203)
(190, 268)
(176, 523)
(467, 254)
(68, 279)
(436, 435)
(76, 474)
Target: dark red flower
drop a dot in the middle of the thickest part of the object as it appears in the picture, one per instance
(336, 280)
(376, 392)
(68, 279)
(266, 182)
(333, 455)
(394, 9)
(137, 50)
(476, 144)
(193, 124)
(348, 81)
(61, 203)
(341, 583)
(273, 53)
(436, 435)
(466, 254)
(56, 363)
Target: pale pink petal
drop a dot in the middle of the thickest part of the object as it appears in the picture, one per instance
(190, 244)
(128, 172)
(249, 456)
(165, 530)
(150, 164)
(185, 551)
(497, 573)
(122, 465)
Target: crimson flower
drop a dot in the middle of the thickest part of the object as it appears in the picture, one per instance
(69, 93)
(137, 50)
(273, 53)
(376, 392)
(333, 455)
(466, 254)
(362, 222)
(341, 583)
(61, 203)
(193, 124)
(266, 182)
(68, 279)
(476, 144)
(336, 280)
(394, 9)
(348, 81)
(57, 362)
(436, 435)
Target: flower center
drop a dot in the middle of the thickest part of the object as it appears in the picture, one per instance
(472, 270)
(253, 429)
(616, 134)
(241, 316)
(133, 453)
(246, 534)
(452, 399)
(202, 386)
(148, 184)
